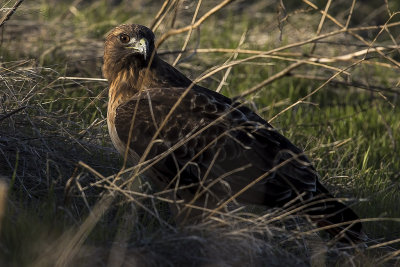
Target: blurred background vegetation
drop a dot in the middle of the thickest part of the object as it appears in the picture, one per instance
(340, 103)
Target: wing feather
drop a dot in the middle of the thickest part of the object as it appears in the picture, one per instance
(208, 129)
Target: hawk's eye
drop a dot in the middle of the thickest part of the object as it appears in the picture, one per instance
(124, 38)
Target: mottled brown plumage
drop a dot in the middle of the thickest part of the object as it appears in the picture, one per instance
(209, 143)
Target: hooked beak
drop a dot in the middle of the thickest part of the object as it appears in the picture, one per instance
(141, 47)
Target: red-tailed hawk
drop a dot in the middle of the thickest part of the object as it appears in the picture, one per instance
(202, 143)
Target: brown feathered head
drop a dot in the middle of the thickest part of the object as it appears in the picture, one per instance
(127, 45)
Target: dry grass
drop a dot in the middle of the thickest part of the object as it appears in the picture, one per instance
(60, 167)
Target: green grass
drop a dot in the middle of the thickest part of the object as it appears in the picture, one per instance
(352, 135)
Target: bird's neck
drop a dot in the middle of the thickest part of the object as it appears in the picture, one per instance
(126, 82)
(131, 79)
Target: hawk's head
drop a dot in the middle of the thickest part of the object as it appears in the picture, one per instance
(126, 45)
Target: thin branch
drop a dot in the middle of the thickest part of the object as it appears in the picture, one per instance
(357, 84)
(271, 79)
(10, 12)
(5, 116)
(351, 31)
(82, 79)
(157, 17)
(159, 20)
(321, 23)
(189, 33)
(313, 92)
(350, 13)
(347, 57)
(234, 57)
(311, 58)
(192, 26)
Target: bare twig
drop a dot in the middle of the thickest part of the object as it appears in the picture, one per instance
(313, 92)
(374, 88)
(310, 58)
(350, 13)
(162, 14)
(271, 79)
(321, 23)
(227, 72)
(352, 31)
(157, 17)
(5, 116)
(189, 33)
(10, 12)
(82, 79)
(350, 56)
(194, 25)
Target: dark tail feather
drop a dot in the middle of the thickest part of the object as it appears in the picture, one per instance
(329, 212)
